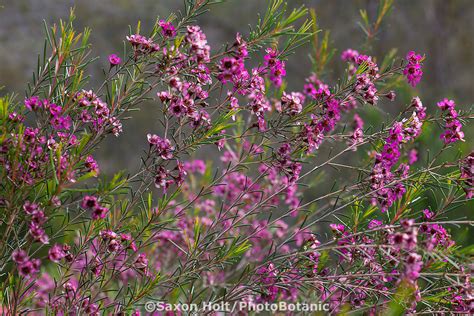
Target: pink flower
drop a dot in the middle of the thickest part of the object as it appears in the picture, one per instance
(99, 212)
(413, 70)
(428, 214)
(137, 40)
(162, 146)
(89, 202)
(412, 156)
(350, 55)
(164, 96)
(413, 267)
(128, 238)
(34, 103)
(420, 110)
(141, 262)
(56, 253)
(446, 104)
(30, 208)
(231, 69)
(19, 256)
(194, 166)
(15, 117)
(241, 46)
(292, 102)
(142, 45)
(92, 165)
(391, 95)
(452, 132)
(275, 65)
(114, 60)
(29, 267)
(167, 29)
(337, 228)
(61, 122)
(199, 50)
(55, 109)
(374, 224)
(38, 233)
(26, 267)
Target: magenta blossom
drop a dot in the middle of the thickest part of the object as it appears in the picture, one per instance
(114, 60)
(167, 29)
(413, 70)
(99, 212)
(92, 165)
(374, 224)
(19, 256)
(428, 214)
(89, 202)
(275, 65)
(34, 103)
(162, 146)
(452, 125)
(56, 253)
(350, 55)
(412, 156)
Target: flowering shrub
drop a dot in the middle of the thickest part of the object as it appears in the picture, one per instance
(247, 225)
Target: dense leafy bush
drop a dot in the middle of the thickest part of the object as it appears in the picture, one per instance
(245, 226)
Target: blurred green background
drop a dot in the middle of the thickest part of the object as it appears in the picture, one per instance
(443, 30)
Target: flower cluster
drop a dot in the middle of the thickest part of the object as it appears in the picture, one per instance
(97, 113)
(110, 253)
(167, 29)
(452, 125)
(277, 283)
(199, 50)
(26, 266)
(236, 188)
(313, 132)
(187, 97)
(413, 70)
(315, 88)
(142, 45)
(165, 178)
(392, 256)
(37, 144)
(91, 203)
(248, 84)
(460, 295)
(195, 166)
(162, 147)
(57, 252)
(275, 65)
(268, 280)
(365, 86)
(351, 56)
(57, 120)
(292, 103)
(385, 193)
(37, 220)
(286, 164)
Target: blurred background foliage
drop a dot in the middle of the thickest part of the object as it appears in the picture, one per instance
(440, 29)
